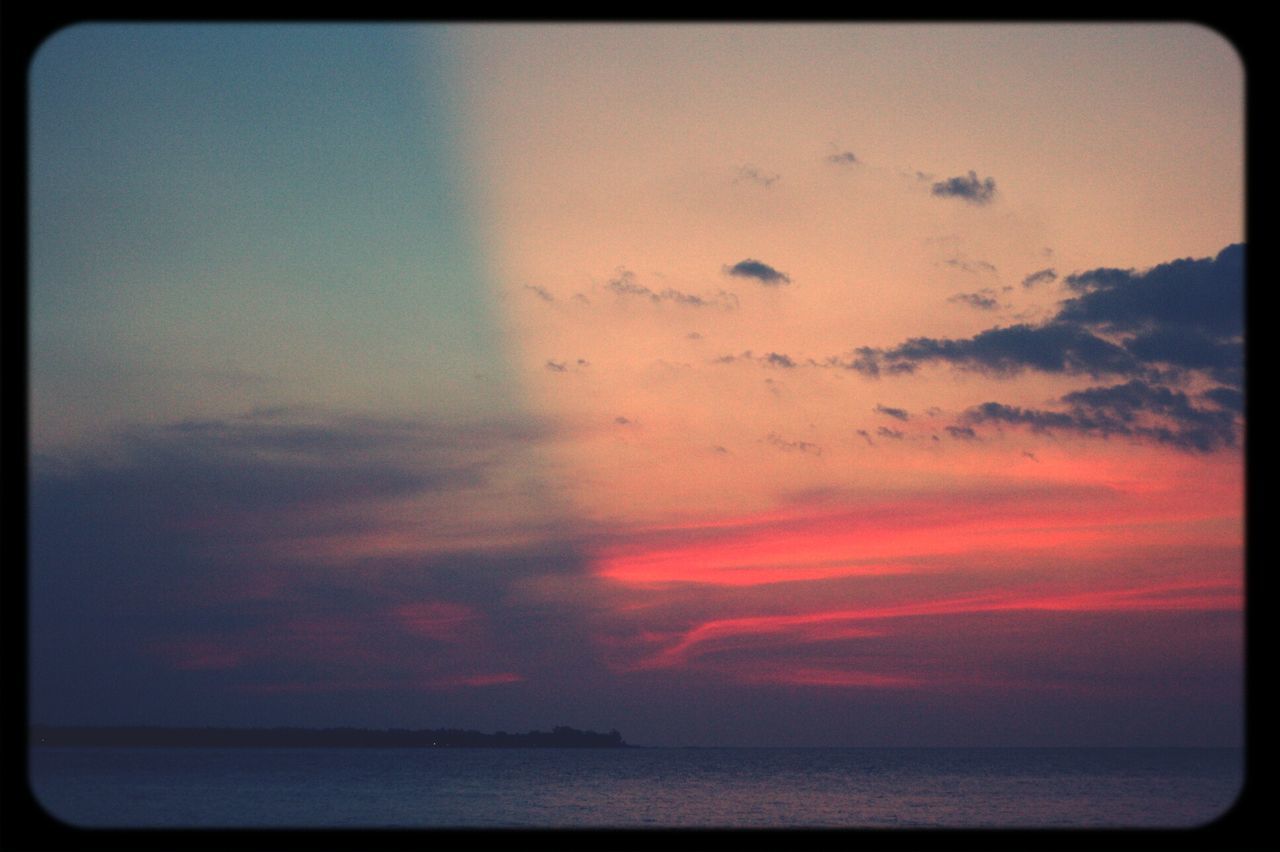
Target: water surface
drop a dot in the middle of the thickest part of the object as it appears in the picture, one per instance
(629, 788)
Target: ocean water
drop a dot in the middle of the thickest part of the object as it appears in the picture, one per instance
(636, 788)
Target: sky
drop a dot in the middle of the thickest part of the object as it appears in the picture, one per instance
(813, 384)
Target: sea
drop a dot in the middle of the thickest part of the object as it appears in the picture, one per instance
(632, 788)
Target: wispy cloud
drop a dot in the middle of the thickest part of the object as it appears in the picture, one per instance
(974, 266)
(625, 284)
(983, 300)
(752, 174)
(794, 446)
(1043, 276)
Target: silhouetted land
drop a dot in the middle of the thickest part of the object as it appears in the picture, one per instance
(153, 737)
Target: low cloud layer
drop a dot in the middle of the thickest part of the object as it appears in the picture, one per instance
(168, 574)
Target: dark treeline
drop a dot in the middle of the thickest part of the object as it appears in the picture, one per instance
(142, 737)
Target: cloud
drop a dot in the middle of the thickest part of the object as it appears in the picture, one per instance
(773, 359)
(896, 413)
(886, 432)
(969, 189)
(166, 574)
(762, 272)
(1154, 329)
(864, 433)
(1186, 315)
(557, 366)
(755, 175)
(1041, 277)
(1135, 408)
(983, 300)
(974, 266)
(794, 446)
(1228, 398)
(1052, 348)
(844, 158)
(1151, 328)
(624, 284)
(962, 433)
(540, 292)
(1205, 296)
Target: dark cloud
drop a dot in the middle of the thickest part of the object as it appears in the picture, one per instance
(280, 459)
(762, 272)
(1042, 277)
(557, 366)
(621, 421)
(1177, 317)
(968, 188)
(1135, 408)
(1225, 397)
(886, 432)
(983, 300)
(844, 158)
(865, 434)
(540, 292)
(1205, 295)
(1052, 348)
(1191, 349)
(1094, 279)
(962, 433)
(896, 413)
(779, 360)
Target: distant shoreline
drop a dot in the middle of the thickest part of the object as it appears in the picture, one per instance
(161, 737)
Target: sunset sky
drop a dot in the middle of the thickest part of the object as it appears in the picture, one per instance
(838, 384)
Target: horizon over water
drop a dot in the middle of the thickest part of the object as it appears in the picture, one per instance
(647, 787)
